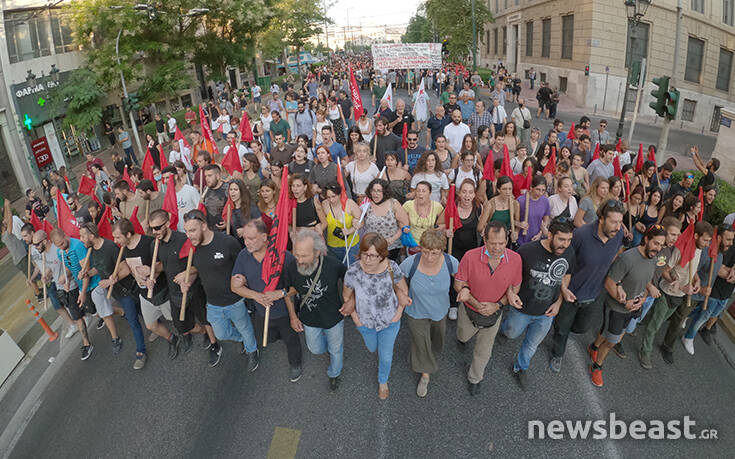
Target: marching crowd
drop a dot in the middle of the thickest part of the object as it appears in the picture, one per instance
(509, 231)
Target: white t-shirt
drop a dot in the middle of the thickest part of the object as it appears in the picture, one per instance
(462, 175)
(172, 125)
(184, 155)
(454, 134)
(53, 264)
(187, 199)
(256, 91)
(360, 180)
(224, 121)
(438, 183)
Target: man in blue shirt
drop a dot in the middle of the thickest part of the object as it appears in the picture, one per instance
(336, 149)
(436, 125)
(466, 106)
(595, 246)
(414, 150)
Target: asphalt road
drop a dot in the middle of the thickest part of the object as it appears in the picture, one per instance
(182, 408)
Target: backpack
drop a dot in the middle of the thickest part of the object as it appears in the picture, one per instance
(415, 266)
(475, 172)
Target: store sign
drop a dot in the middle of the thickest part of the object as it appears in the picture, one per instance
(40, 87)
(41, 152)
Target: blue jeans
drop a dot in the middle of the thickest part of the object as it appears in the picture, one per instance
(535, 327)
(267, 142)
(383, 342)
(131, 306)
(321, 340)
(232, 323)
(130, 155)
(339, 253)
(644, 310)
(53, 296)
(700, 316)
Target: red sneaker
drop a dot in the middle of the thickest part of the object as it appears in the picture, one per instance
(592, 353)
(596, 376)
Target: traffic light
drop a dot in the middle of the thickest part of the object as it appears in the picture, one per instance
(586, 70)
(131, 103)
(672, 103)
(659, 105)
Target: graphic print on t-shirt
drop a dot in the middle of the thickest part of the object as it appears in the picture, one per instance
(316, 294)
(545, 282)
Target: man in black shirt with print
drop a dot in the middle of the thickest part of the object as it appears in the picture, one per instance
(214, 259)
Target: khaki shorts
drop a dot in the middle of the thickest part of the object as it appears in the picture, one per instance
(151, 312)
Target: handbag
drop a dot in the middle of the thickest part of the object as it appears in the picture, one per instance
(526, 123)
(480, 321)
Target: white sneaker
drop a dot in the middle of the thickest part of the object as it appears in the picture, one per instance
(688, 345)
(684, 323)
(452, 313)
(152, 337)
(70, 331)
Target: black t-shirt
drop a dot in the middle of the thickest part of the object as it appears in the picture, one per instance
(252, 270)
(346, 105)
(398, 128)
(214, 263)
(168, 255)
(103, 260)
(160, 126)
(450, 108)
(82, 215)
(321, 310)
(295, 168)
(142, 254)
(707, 179)
(215, 201)
(543, 272)
(721, 288)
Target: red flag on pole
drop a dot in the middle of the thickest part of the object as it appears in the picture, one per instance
(104, 227)
(170, 204)
(36, 222)
(652, 155)
(231, 161)
(701, 204)
(48, 227)
(617, 171)
(246, 132)
(451, 210)
(619, 146)
(162, 157)
(136, 223)
(713, 247)
(488, 171)
(180, 136)
(505, 168)
(356, 98)
(639, 159)
(686, 245)
(570, 134)
(147, 167)
(228, 204)
(529, 179)
(550, 167)
(86, 185)
(404, 136)
(341, 181)
(66, 220)
(278, 237)
(206, 131)
(127, 178)
(596, 154)
(627, 187)
(184, 250)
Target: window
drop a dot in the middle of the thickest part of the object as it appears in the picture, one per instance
(563, 84)
(27, 35)
(567, 36)
(727, 11)
(687, 110)
(61, 32)
(505, 40)
(495, 42)
(698, 6)
(724, 68)
(529, 38)
(640, 44)
(695, 55)
(546, 37)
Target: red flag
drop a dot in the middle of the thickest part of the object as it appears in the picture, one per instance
(148, 164)
(488, 171)
(228, 204)
(136, 223)
(277, 238)
(713, 247)
(184, 250)
(451, 211)
(356, 98)
(170, 203)
(686, 245)
(66, 220)
(618, 172)
(570, 135)
(203, 208)
(505, 168)
(619, 145)
(36, 222)
(68, 183)
(246, 133)
(127, 178)
(341, 181)
(104, 227)
(180, 136)
(529, 180)
(596, 154)
(550, 167)
(404, 136)
(639, 159)
(86, 185)
(652, 155)
(231, 161)
(48, 227)
(206, 132)
(627, 187)
(162, 157)
(701, 202)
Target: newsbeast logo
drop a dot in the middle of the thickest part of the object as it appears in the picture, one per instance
(617, 429)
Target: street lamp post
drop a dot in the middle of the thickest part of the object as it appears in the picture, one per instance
(474, 38)
(635, 10)
(133, 126)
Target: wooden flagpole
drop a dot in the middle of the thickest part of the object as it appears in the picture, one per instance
(451, 238)
(189, 260)
(153, 266)
(114, 271)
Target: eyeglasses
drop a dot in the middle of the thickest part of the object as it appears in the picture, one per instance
(370, 255)
(158, 227)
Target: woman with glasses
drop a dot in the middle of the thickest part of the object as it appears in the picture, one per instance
(385, 216)
(587, 211)
(342, 224)
(376, 286)
(398, 178)
(502, 208)
(309, 212)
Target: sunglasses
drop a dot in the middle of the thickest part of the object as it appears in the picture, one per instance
(690, 176)
(158, 227)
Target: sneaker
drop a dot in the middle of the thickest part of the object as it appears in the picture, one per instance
(423, 387)
(667, 355)
(333, 384)
(473, 389)
(87, 351)
(117, 345)
(139, 362)
(713, 330)
(253, 360)
(592, 353)
(215, 354)
(555, 364)
(706, 335)
(100, 324)
(70, 331)
(206, 344)
(452, 313)
(294, 373)
(684, 323)
(186, 342)
(619, 351)
(173, 346)
(596, 375)
(152, 337)
(521, 378)
(688, 344)
(645, 360)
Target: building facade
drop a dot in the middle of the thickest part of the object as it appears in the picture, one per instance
(560, 38)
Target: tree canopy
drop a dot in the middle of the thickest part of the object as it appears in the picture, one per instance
(453, 22)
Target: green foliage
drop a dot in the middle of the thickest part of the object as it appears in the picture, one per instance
(419, 30)
(164, 81)
(724, 202)
(82, 96)
(453, 22)
(295, 21)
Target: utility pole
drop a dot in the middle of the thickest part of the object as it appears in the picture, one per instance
(133, 126)
(663, 141)
(474, 37)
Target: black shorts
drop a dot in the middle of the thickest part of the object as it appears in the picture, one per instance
(196, 310)
(614, 323)
(70, 301)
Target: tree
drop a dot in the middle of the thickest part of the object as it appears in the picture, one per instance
(453, 22)
(82, 95)
(419, 29)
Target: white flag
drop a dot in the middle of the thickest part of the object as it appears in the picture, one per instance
(421, 108)
(388, 95)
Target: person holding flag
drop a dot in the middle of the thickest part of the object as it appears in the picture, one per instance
(420, 110)
(535, 214)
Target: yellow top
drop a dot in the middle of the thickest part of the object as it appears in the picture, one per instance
(420, 224)
(334, 241)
